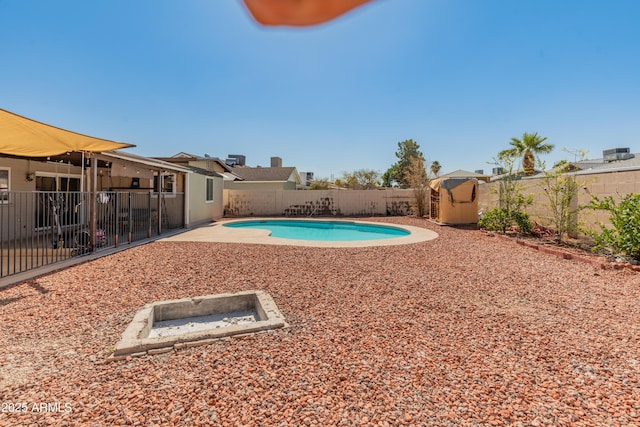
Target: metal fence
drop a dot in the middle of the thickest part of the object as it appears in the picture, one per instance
(39, 228)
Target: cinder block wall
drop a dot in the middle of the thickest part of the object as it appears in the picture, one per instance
(317, 202)
(614, 184)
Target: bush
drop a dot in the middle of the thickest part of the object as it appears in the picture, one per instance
(624, 216)
(501, 219)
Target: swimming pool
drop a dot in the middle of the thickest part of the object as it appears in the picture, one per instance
(333, 231)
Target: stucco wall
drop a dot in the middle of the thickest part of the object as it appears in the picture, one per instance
(201, 211)
(601, 184)
(317, 202)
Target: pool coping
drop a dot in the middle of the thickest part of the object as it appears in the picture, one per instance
(217, 233)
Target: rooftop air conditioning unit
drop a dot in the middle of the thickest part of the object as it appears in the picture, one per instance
(497, 171)
(616, 154)
(240, 159)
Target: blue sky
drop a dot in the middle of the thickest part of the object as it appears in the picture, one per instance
(460, 77)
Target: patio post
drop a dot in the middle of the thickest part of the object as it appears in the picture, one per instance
(92, 203)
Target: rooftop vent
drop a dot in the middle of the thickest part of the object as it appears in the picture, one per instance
(616, 154)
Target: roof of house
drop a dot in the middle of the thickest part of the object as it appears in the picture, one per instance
(204, 172)
(154, 163)
(183, 158)
(602, 166)
(264, 174)
(464, 174)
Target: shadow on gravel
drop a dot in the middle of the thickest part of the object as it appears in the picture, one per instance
(8, 301)
(39, 288)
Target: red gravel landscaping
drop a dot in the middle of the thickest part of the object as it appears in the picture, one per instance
(465, 329)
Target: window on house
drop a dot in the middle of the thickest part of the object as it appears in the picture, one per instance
(60, 204)
(168, 183)
(4, 185)
(209, 190)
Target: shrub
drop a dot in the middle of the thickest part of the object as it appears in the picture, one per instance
(624, 216)
(501, 219)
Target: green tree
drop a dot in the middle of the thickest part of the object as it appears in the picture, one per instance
(361, 179)
(320, 184)
(526, 149)
(389, 177)
(435, 167)
(407, 150)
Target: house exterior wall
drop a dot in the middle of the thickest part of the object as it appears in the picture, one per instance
(21, 167)
(601, 184)
(317, 202)
(19, 216)
(200, 210)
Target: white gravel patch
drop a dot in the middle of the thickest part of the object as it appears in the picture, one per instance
(166, 328)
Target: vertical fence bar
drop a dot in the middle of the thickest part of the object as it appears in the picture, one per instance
(2, 237)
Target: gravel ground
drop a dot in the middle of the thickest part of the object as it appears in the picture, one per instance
(465, 329)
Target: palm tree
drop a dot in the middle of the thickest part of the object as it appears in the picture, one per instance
(527, 147)
(435, 167)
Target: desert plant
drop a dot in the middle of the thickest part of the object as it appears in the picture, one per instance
(624, 237)
(501, 220)
(561, 191)
(511, 202)
(320, 184)
(418, 180)
(361, 179)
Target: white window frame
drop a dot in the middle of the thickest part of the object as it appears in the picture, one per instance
(162, 176)
(5, 194)
(206, 190)
(57, 176)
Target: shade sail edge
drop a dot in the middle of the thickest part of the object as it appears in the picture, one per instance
(21, 136)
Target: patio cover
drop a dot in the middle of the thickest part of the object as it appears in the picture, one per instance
(20, 136)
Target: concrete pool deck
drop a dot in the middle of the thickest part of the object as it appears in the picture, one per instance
(217, 233)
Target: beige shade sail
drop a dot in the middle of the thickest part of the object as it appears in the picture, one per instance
(299, 12)
(20, 136)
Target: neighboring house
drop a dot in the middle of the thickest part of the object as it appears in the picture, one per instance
(206, 162)
(465, 174)
(617, 159)
(237, 176)
(259, 178)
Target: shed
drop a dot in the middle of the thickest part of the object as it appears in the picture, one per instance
(454, 198)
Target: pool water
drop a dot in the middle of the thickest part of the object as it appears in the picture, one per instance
(323, 230)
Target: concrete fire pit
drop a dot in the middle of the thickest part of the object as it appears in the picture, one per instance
(161, 326)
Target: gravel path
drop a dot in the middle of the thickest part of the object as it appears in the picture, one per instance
(465, 329)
